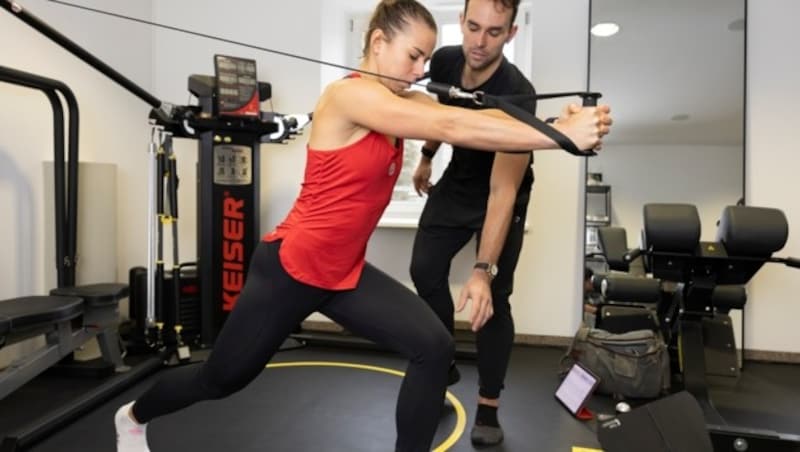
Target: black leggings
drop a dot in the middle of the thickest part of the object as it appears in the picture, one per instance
(434, 249)
(271, 306)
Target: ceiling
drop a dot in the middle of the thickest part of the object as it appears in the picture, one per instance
(675, 57)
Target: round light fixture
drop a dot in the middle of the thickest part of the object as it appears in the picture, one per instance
(605, 29)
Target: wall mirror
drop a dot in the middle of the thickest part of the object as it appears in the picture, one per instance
(674, 76)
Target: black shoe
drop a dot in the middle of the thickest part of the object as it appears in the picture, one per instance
(484, 435)
(453, 375)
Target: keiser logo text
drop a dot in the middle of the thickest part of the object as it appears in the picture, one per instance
(232, 250)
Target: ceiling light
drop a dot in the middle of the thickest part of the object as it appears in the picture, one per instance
(605, 29)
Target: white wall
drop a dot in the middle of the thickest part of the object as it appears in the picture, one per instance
(548, 282)
(97, 226)
(114, 129)
(335, 29)
(295, 86)
(772, 168)
(113, 126)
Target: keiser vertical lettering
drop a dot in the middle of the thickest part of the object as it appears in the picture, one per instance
(232, 250)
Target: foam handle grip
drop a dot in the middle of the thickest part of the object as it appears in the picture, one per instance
(590, 99)
(441, 89)
(793, 262)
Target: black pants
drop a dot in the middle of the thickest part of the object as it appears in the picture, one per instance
(434, 249)
(271, 306)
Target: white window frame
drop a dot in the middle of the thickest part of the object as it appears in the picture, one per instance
(406, 206)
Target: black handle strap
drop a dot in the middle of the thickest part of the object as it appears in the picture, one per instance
(505, 104)
(528, 118)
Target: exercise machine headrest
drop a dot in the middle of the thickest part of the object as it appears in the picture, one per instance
(671, 227)
(752, 231)
(614, 243)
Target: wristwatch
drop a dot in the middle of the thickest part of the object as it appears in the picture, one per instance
(490, 269)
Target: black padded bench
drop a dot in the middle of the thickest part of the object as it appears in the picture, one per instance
(95, 296)
(29, 317)
(67, 318)
(101, 316)
(31, 313)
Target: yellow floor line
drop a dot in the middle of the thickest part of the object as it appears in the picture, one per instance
(461, 414)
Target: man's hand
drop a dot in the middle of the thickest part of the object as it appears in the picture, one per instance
(479, 291)
(422, 176)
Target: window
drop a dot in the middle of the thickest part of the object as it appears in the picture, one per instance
(406, 205)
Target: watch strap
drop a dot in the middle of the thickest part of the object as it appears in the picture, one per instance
(487, 267)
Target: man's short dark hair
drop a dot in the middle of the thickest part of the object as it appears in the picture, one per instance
(510, 4)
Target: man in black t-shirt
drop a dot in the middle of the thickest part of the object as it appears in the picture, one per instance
(482, 194)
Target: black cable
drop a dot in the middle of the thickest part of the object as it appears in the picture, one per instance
(527, 117)
(231, 41)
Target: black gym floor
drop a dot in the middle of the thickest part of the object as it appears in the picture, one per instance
(309, 406)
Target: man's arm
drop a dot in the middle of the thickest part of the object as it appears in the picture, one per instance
(507, 173)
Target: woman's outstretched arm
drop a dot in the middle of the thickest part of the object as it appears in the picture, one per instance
(369, 104)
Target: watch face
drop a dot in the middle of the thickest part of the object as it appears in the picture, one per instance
(493, 270)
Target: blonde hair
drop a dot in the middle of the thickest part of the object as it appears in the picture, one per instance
(392, 16)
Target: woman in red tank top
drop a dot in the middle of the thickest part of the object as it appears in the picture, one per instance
(314, 260)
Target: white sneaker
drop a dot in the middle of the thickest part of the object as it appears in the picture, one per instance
(131, 436)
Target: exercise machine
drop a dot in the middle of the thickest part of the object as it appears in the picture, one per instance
(70, 315)
(705, 281)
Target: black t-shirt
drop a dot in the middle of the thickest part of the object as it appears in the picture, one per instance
(459, 198)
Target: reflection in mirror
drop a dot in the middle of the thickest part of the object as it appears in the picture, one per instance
(674, 76)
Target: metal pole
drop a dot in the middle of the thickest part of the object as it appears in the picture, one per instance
(156, 137)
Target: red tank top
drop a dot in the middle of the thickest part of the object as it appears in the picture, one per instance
(343, 195)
